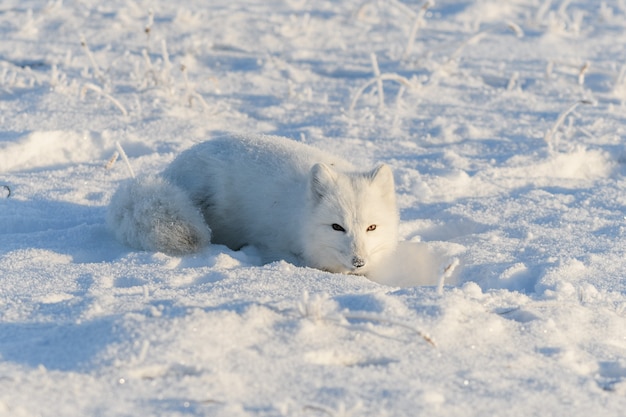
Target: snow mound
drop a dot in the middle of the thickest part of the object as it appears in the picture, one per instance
(49, 149)
(55, 149)
(578, 164)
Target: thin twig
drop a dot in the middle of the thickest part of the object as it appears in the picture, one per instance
(542, 10)
(379, 81)
(515, 28)
(340, 412)
(321, 308)
(472, 39)
(549, 68)
(125, 159)
(582, 72)
(96, 69)
(512, 81)
(167, 65)
(383, 77)
(95, 88)
(148, 28)
(475, 38)
(446, 274)
(419, 17)
(355, 316)
(112, 160)
(550, 136)
(191, 93)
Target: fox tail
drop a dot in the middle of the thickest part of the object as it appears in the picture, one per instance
(152, 214)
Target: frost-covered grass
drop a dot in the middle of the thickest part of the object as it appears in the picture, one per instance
(503, 122)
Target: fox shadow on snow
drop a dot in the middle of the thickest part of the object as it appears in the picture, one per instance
(66, 228)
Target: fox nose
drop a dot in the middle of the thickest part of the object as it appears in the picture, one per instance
(358, 262)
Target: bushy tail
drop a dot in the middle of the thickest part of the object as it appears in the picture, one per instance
(152, 214)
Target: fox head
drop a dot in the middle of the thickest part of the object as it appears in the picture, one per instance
(352, 219)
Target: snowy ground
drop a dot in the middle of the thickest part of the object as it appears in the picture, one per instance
(493, 166)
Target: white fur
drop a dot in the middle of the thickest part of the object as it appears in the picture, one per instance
(281, 196)
(151, 214)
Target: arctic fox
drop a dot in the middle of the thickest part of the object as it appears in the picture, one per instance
(287, 199)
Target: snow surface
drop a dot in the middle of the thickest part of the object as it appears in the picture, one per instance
(504, 123)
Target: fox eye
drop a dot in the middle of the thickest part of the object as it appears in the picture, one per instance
(371, 228)
(338, 227)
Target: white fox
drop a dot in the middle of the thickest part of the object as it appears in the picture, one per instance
(287, 199)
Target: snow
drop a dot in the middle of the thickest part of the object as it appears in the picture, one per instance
(503, 122)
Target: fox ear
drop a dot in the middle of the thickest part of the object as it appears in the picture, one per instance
(382, 177)
(321, 180)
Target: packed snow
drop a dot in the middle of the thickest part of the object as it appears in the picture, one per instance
(504, 123)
